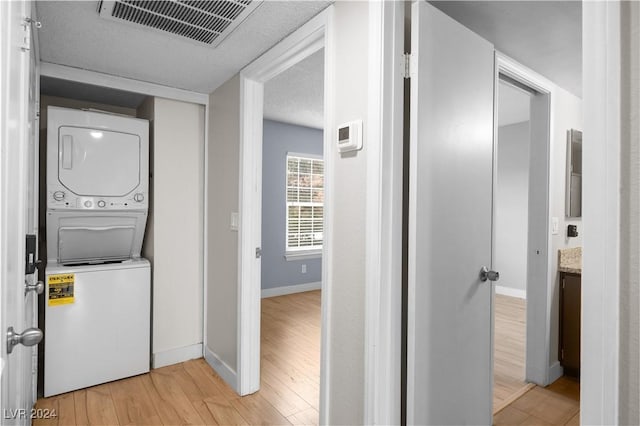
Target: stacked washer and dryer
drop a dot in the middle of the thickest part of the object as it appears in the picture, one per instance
(97, 306)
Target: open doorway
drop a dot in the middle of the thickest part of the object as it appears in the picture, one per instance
(511, 217)
(292, 239)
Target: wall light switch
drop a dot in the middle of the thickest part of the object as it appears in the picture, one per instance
(555, 226)
(235, 220)
(304, 268)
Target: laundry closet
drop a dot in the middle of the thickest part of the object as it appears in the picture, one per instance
(120, 203)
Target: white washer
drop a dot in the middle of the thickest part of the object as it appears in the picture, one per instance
(97, 326)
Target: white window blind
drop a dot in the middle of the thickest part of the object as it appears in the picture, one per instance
(305, 203)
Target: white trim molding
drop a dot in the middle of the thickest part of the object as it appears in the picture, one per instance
(305, 41)
(600, 370)
(555, 372)
(511, 292)
(63, 72)
(330, 151)
(383, 294)
(540, 257)
(291, 289)
(303, 255)
(175, 356)
(227, 373)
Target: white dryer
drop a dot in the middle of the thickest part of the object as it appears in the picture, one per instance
(97, 186)
(97, 305)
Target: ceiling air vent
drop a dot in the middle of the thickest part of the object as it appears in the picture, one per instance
(207, 22)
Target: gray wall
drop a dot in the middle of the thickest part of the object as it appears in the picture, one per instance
(512, 205)
(279, 139)
(222, 199)
(630, 217)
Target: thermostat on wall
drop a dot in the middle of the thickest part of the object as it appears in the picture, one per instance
(350, 136)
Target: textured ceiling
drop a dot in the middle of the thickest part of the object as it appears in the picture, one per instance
(296, 95)
(73, 34)
(513, 105)
(546, 36)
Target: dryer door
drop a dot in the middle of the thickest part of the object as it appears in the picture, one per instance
(94, 162)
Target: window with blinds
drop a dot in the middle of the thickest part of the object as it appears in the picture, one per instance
(305, 202)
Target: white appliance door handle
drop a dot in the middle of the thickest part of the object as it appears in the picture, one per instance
(95, 228)
(67, 152)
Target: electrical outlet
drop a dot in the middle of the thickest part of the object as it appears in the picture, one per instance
(304, 268)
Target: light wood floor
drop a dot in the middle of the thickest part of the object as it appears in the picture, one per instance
(557, 404)
(192, 393)
(509, 350)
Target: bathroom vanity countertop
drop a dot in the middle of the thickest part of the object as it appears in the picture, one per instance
(570, 260)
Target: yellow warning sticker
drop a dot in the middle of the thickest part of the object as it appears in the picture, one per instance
(61, 289)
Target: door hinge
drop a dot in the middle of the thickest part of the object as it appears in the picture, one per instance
(27, 24)
(561, 354)
(563, 283)
(258, 252)
(407, 65)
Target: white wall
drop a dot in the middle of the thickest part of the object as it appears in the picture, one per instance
(222, 198)
(347, 251)
(174, 239)
(512, 204)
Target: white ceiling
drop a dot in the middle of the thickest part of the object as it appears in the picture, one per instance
(296, 95)
(543, 35)
(73, 34)
(513, 105)
(546, 36)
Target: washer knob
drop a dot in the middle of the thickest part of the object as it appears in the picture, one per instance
(138, 197)
(101, 203)
(58, 195)
(88, 204)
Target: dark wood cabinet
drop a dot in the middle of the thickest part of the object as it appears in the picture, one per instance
(570, 308)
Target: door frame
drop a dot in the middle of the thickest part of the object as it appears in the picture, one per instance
(305, 41)
(604, 213)
(384, 207)
(539, 297)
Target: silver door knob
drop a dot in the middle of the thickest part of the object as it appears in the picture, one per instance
(29, 337)
(37, 287)
(486, 274)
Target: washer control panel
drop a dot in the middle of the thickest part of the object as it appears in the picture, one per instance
(67, 200)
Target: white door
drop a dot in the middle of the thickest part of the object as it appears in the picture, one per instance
(32, 222)
(18, 188)
(449, 313)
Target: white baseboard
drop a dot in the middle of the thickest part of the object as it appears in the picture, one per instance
(555, 372)
(513, 292)
(290, 289)
(227, 373)
(174, 356)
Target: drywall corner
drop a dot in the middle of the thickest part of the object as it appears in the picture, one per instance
(222, 198)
